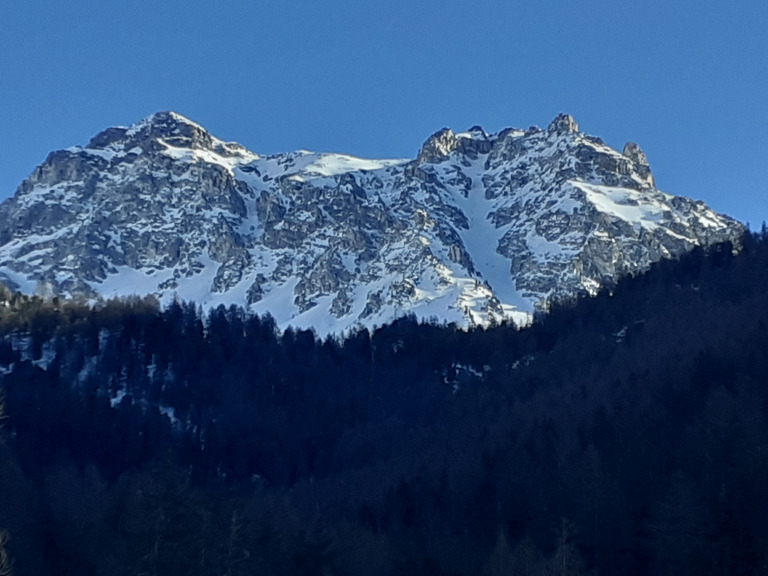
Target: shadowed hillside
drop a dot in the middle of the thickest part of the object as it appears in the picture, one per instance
(620, 434)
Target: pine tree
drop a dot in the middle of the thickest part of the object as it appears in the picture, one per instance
(567, 560)
(236, 553)
(500, 561)
(6, 564)
(527, 559)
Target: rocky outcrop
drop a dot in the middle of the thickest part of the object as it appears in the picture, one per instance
(643, 167)
(438, 147)
(563, 124)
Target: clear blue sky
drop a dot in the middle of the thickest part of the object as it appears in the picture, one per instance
(687, 80)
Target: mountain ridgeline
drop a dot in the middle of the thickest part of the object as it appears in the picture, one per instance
(478, 229)
(624, 433)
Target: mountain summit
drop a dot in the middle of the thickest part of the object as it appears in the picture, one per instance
(479, 228)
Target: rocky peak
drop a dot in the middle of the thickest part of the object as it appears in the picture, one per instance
(438, 146)
(109, 137)
(563, 124)
(635, 153)
(169, 127)
(173, 129)
(477, 133)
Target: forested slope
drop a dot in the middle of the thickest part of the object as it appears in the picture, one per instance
(621, 434)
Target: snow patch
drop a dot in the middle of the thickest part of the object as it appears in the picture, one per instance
(623, 203)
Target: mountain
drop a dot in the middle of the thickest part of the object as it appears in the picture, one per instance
(477, 229)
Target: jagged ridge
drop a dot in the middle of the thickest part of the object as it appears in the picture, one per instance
(478, 228)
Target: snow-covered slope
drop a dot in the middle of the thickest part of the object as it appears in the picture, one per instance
(477, 229)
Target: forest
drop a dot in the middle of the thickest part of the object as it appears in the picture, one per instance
(620, 434)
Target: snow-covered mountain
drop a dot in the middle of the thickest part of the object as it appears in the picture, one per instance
(478, 228)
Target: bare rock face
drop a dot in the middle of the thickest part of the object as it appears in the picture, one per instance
(479, 228)
(643, 167)
(634, 153)
(438, 147)
(563, 124)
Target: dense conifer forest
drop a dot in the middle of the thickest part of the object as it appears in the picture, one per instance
(625, 433)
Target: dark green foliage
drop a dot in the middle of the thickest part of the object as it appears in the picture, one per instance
(621, 434)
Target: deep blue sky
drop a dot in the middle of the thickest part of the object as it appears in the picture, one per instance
(687, 80)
